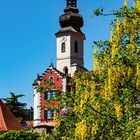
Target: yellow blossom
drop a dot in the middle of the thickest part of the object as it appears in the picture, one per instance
(118, 110)
(94, 129)
(125, 24)
(130, 72)
(81, 130)
(119, 30)
(137, 5)
(137, 134)
(56, 123)
(116, 38)
(113, 45)
(138, 77)
(96, 63)
(109, 80)
(105, 93)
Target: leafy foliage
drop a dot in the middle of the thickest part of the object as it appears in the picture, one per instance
(105, 103)
(19, 135)
(16, 107)
(25, 135)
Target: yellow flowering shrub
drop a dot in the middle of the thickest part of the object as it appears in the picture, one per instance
(105, 103)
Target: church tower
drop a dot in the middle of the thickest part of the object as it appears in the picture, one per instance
(70, 55)
(70, 40)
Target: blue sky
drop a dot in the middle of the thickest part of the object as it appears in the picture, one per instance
(27, 39)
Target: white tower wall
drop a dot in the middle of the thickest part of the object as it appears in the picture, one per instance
(37, 107)
(67, 58)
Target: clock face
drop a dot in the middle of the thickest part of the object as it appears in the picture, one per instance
(64, 39)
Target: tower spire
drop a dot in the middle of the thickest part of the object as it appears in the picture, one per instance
(71, 3)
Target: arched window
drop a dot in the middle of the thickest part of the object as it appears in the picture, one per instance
(76, 46)
(51, 80)
(65, 70)
(63, 47)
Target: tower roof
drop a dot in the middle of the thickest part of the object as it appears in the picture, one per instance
(7, 119)
(71, 16)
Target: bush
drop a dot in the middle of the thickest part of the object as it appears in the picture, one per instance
(19, 135)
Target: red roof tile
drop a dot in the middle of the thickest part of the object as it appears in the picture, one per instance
(7, 119)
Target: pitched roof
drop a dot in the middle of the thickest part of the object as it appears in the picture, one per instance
(7, 119)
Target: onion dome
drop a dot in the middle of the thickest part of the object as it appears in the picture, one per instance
(71, 16)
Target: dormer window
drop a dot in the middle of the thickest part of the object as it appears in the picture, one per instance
(63, 47)
(76, 46)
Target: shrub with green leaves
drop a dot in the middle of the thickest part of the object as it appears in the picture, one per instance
(19, 135)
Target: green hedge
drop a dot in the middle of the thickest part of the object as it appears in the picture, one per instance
(19, 135)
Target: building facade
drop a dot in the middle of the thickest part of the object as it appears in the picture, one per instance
(70, 58)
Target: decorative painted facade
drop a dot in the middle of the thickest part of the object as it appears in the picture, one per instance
(70, 53)
(52, 82)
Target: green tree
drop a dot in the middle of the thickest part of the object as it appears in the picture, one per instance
(16, 107)
(105, 103)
